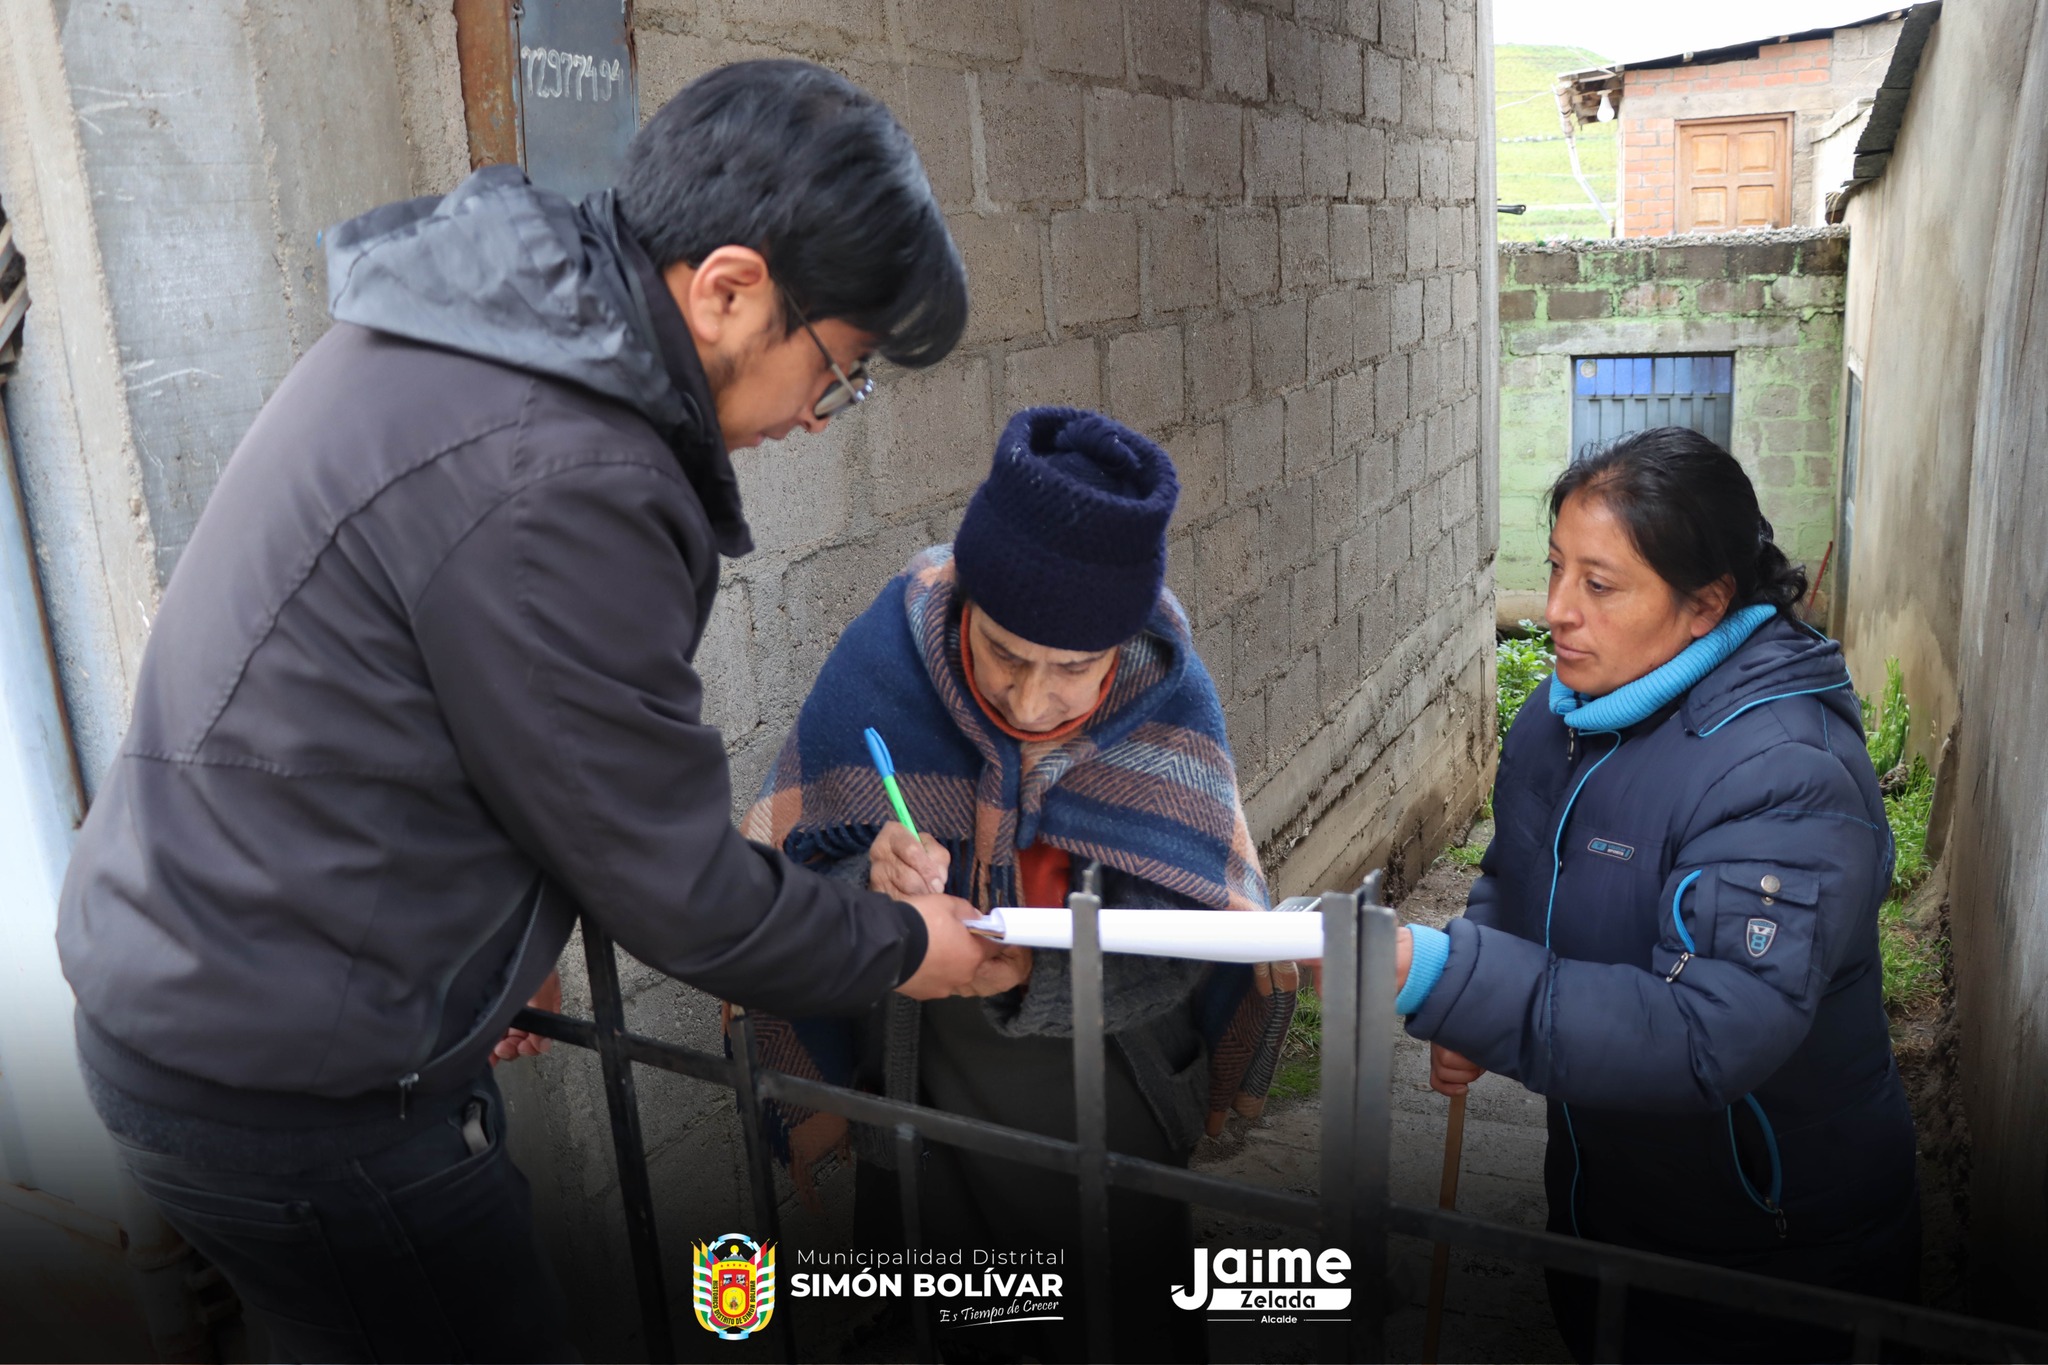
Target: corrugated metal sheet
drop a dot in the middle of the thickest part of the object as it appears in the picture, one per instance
(1615, 395)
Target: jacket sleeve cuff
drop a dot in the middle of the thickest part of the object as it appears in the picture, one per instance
(1425, 968)
(916, 941)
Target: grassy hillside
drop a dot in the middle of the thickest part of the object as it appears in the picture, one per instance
(1534, 165)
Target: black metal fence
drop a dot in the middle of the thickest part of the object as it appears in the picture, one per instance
(1354, 1210)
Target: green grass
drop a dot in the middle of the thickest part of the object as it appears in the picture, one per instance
(1894, 720)
(1533, 166)
(1300, 1074)
(1910, 965)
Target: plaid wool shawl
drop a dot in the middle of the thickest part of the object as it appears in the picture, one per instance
(1147, 787)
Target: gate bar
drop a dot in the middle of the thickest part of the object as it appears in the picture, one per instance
(1372, 1133)
(909, 1160)
(760, 1169)
(1091, 1112)
(1340, 1170)
(628, 1147)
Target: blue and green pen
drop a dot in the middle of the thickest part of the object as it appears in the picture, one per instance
(886, 766)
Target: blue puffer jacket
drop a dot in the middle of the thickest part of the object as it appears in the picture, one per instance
(1675, 940)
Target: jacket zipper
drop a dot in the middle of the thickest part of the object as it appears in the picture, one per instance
(405, 1085)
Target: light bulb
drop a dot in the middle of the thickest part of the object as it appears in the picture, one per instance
(1605, 113)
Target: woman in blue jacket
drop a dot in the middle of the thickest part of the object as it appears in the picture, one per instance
(1674, 934)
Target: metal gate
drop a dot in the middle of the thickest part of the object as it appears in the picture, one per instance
(1354, 1210)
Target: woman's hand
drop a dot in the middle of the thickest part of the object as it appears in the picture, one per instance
(1007, 970)
(1404, 957)
(1450, 1074)
(904, 864)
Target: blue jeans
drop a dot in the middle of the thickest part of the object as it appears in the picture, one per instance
(419, 1250)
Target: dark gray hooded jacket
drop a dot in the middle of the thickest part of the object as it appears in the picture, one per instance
(421, 689)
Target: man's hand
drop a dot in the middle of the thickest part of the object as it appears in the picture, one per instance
(904, 865)
(953, 958)
(517, 1042)
(1007, 970)
(1450, 1074)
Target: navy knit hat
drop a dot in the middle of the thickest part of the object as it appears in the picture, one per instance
(1065, 542)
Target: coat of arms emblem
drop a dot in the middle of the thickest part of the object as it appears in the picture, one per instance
(733, 1285)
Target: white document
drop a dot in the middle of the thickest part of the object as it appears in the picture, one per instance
(1202, 935)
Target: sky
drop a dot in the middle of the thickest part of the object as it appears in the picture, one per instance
(1630, 30)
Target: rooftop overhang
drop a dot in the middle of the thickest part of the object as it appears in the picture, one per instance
(1888, 110)
(1579, 93)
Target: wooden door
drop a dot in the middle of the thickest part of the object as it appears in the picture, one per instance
(1734, 173)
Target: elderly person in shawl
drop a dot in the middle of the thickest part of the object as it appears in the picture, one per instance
(1038, 688)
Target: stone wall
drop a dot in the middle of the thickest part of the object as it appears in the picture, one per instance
(1774, 300)
(1812, 80)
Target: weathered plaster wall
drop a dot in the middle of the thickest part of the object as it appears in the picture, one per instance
(169, 167)
(1915, 329)
(1948, 318)
(1774, 300)
(1810, 80)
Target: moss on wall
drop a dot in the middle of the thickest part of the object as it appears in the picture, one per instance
(1773, 300)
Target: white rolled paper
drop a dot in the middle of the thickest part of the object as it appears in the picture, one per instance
(1202, 935)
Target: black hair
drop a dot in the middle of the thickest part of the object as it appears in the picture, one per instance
(1691, 511)
(801, 165)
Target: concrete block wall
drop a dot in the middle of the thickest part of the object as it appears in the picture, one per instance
(1774, 300)
(1812, 80)
(1252, 231)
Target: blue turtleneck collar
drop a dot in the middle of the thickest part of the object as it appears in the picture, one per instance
(1649, 694)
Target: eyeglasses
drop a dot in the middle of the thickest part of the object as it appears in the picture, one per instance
(847, 389)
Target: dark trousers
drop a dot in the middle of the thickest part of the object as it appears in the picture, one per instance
(422, 1249)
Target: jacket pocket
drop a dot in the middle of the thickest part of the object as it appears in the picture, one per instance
(1766, 917)
(1759, 1166)
(193, 1210)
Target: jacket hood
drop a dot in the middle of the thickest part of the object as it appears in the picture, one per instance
(507, 272)
(504, 271)
(1783, 658)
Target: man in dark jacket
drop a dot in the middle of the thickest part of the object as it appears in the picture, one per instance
(420, 692)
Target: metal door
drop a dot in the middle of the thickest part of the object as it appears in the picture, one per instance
(1617, 394)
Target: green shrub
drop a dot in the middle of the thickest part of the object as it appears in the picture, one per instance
(1910, 964)
(1522, 662)
(1906, 810)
